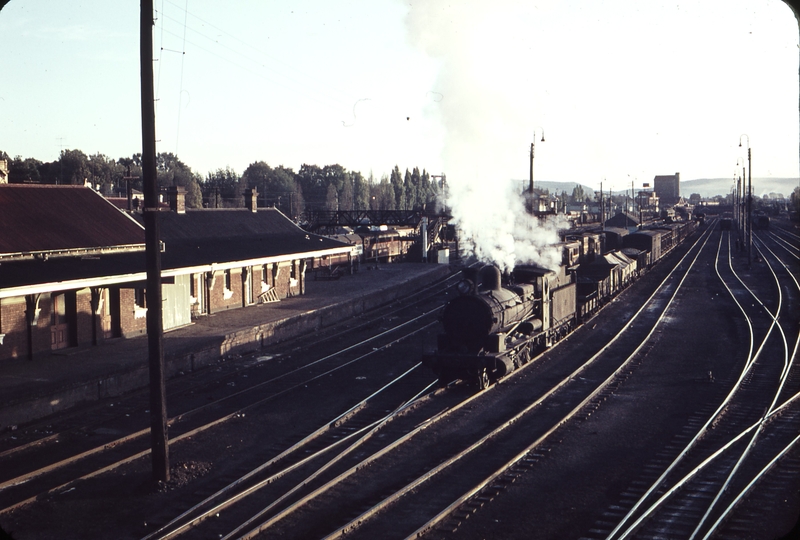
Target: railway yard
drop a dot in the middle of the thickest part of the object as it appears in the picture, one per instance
(672, 411)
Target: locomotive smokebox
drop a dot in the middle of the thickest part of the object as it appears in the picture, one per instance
(470, 319)
(467, 321)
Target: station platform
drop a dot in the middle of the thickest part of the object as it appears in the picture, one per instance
(58, 380)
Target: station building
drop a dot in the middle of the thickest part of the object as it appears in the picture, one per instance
(72, 265)
(668, 188)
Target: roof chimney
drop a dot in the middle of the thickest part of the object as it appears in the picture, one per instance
(177, 199)
(251, 199)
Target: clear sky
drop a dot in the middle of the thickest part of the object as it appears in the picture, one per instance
(622, 89)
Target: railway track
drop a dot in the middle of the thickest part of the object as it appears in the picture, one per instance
(53, 463)
(466, 451)
(697, 489)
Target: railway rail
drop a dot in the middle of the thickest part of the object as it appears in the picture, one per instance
(52, 463)
(698, 489)
(450, 460)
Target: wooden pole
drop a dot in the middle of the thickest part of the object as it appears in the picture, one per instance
(158, 394)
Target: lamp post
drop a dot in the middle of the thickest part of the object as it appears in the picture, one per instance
(739, 192)
(533, 148)
(749, 197)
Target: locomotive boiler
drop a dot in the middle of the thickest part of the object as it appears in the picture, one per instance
(488, 330)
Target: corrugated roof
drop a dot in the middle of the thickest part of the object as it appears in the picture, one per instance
(207, 236)
(194, 239)
(48, 218)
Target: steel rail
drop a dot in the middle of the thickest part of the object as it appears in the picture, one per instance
(749, 364)
(782, 378)
(444, 465)
(73, 459)
(419, 428)
(202, 428)
(56, 436)
(787, 246)
(654, 486)
(710, 459)
(294, 448)
(444, 513)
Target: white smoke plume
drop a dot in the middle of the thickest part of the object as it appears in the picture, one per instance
(486, 139)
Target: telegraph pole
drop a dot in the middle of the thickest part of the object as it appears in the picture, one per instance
(158, 393)
(749, 203)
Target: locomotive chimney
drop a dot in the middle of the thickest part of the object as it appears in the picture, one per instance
(490, 278)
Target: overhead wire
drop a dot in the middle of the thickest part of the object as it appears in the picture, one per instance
(298, 87)
(310, 77)
(180, 92)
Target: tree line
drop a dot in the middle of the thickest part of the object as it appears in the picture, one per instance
(331, 187)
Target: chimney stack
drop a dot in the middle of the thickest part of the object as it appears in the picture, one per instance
(177, 199)
(251, 199)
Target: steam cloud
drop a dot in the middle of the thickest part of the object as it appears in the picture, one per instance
(486, 143)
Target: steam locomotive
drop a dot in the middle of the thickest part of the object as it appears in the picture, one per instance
(490, 330)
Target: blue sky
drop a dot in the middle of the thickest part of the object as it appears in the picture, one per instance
(623, 90)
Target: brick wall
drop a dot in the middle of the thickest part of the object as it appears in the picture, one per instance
(13, 325)
(226, 290)
(133, 320)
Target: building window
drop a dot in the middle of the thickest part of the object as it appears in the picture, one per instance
(140, 297)
(228, 284)
(227, 293)
(59, 313)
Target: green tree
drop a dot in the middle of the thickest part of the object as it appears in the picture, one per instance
(24, 170)
(399, 190)
(127, 167)
(578, 194)
(346, 198)
(72, 167)
(361, 191)
(194, 194)
(410, 191)
(383, 195)
(100, 172)
(276, 186)
(332, 198)
(313, 185)
(227, 185)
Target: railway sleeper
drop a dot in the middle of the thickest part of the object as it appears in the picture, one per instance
(448, 526)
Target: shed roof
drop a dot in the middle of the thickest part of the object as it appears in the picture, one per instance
(194, 242)
(212, 236)
(622, 220)
(58, 220)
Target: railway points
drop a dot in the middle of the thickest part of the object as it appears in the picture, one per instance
(595, 467)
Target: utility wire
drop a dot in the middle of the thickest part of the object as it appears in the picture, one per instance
(311, 78)
(180, 92)
(335, 106)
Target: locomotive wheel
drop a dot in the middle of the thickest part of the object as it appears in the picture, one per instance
(483, 379)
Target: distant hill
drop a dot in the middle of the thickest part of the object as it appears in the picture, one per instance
(706, 187)
(558, 187)
(709, 187)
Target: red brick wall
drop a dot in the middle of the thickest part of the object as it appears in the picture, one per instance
(84, 319)
(223, 298)
(130, 324)
(133, 320)
(14, 326)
